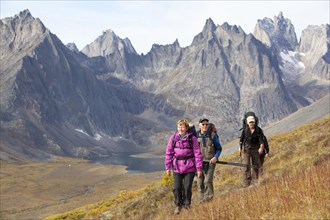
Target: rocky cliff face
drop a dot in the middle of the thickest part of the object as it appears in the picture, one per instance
(305, 66)
(14, 47)
(315, 49)
(107, 98)
(224, 69)
(279, 34)
(55, 105)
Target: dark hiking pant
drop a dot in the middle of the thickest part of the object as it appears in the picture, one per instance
(183, 188)
(262, 160)
(251, 156)
(205, 183)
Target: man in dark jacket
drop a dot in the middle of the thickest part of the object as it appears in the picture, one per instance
(252, 144)
(210, 146)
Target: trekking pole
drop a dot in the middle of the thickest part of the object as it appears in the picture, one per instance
(240, 156)
(232, 163)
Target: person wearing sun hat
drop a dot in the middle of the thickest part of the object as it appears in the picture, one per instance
(250, 119)
(252, 144)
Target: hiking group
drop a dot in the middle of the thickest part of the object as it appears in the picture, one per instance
(191, 152)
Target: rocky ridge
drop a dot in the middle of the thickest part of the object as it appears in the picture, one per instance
(107, 98)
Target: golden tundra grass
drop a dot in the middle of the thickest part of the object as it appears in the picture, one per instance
(33, 190)
(295, 185)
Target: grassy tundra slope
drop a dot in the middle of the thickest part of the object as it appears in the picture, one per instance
(33, 190)
(295, 185)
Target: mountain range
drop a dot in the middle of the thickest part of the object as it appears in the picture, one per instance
(106, 98)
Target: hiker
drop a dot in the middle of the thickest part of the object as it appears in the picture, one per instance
(184, 158)
(211, 149)
(252, 145)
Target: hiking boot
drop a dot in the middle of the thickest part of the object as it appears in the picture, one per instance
(244, 185)
(177, 210)
(186, 207)
(205, 200)
(201, 196)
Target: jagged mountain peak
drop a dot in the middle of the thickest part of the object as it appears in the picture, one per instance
(21, 19)
(278, 33)
(278, 24)
(267, 24)
(109, 31)
(209, 26)
(232, 28)
(25, 14)
(175, 44)
(281, 23)
(206, 33)
(108, 43)
(280, 16)
(72, 47)
(20, 34)
(114, 95)
(129, 46)
(210, 31)
(107, 35)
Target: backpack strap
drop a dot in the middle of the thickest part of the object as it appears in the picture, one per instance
(190, 140)
(242, 138)
(191, 144)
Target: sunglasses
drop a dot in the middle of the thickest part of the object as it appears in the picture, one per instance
(205, 124)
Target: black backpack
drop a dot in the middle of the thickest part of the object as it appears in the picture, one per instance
(192, 129)
(244, 126)
(246, 115)
(266, 145)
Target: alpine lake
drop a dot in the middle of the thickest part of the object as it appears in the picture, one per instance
(134, 163)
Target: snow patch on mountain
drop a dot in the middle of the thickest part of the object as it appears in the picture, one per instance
(291, 65)
(81, 131)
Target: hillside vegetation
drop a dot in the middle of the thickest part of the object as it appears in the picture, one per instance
(295, 185)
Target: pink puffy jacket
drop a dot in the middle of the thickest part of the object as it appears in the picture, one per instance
(183, 158)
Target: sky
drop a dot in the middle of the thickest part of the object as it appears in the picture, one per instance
(146, 23)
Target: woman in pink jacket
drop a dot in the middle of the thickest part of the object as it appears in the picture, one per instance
(184, 158)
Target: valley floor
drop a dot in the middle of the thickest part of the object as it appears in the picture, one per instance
(34, 190)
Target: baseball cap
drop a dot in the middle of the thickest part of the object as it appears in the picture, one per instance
(203, 119)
